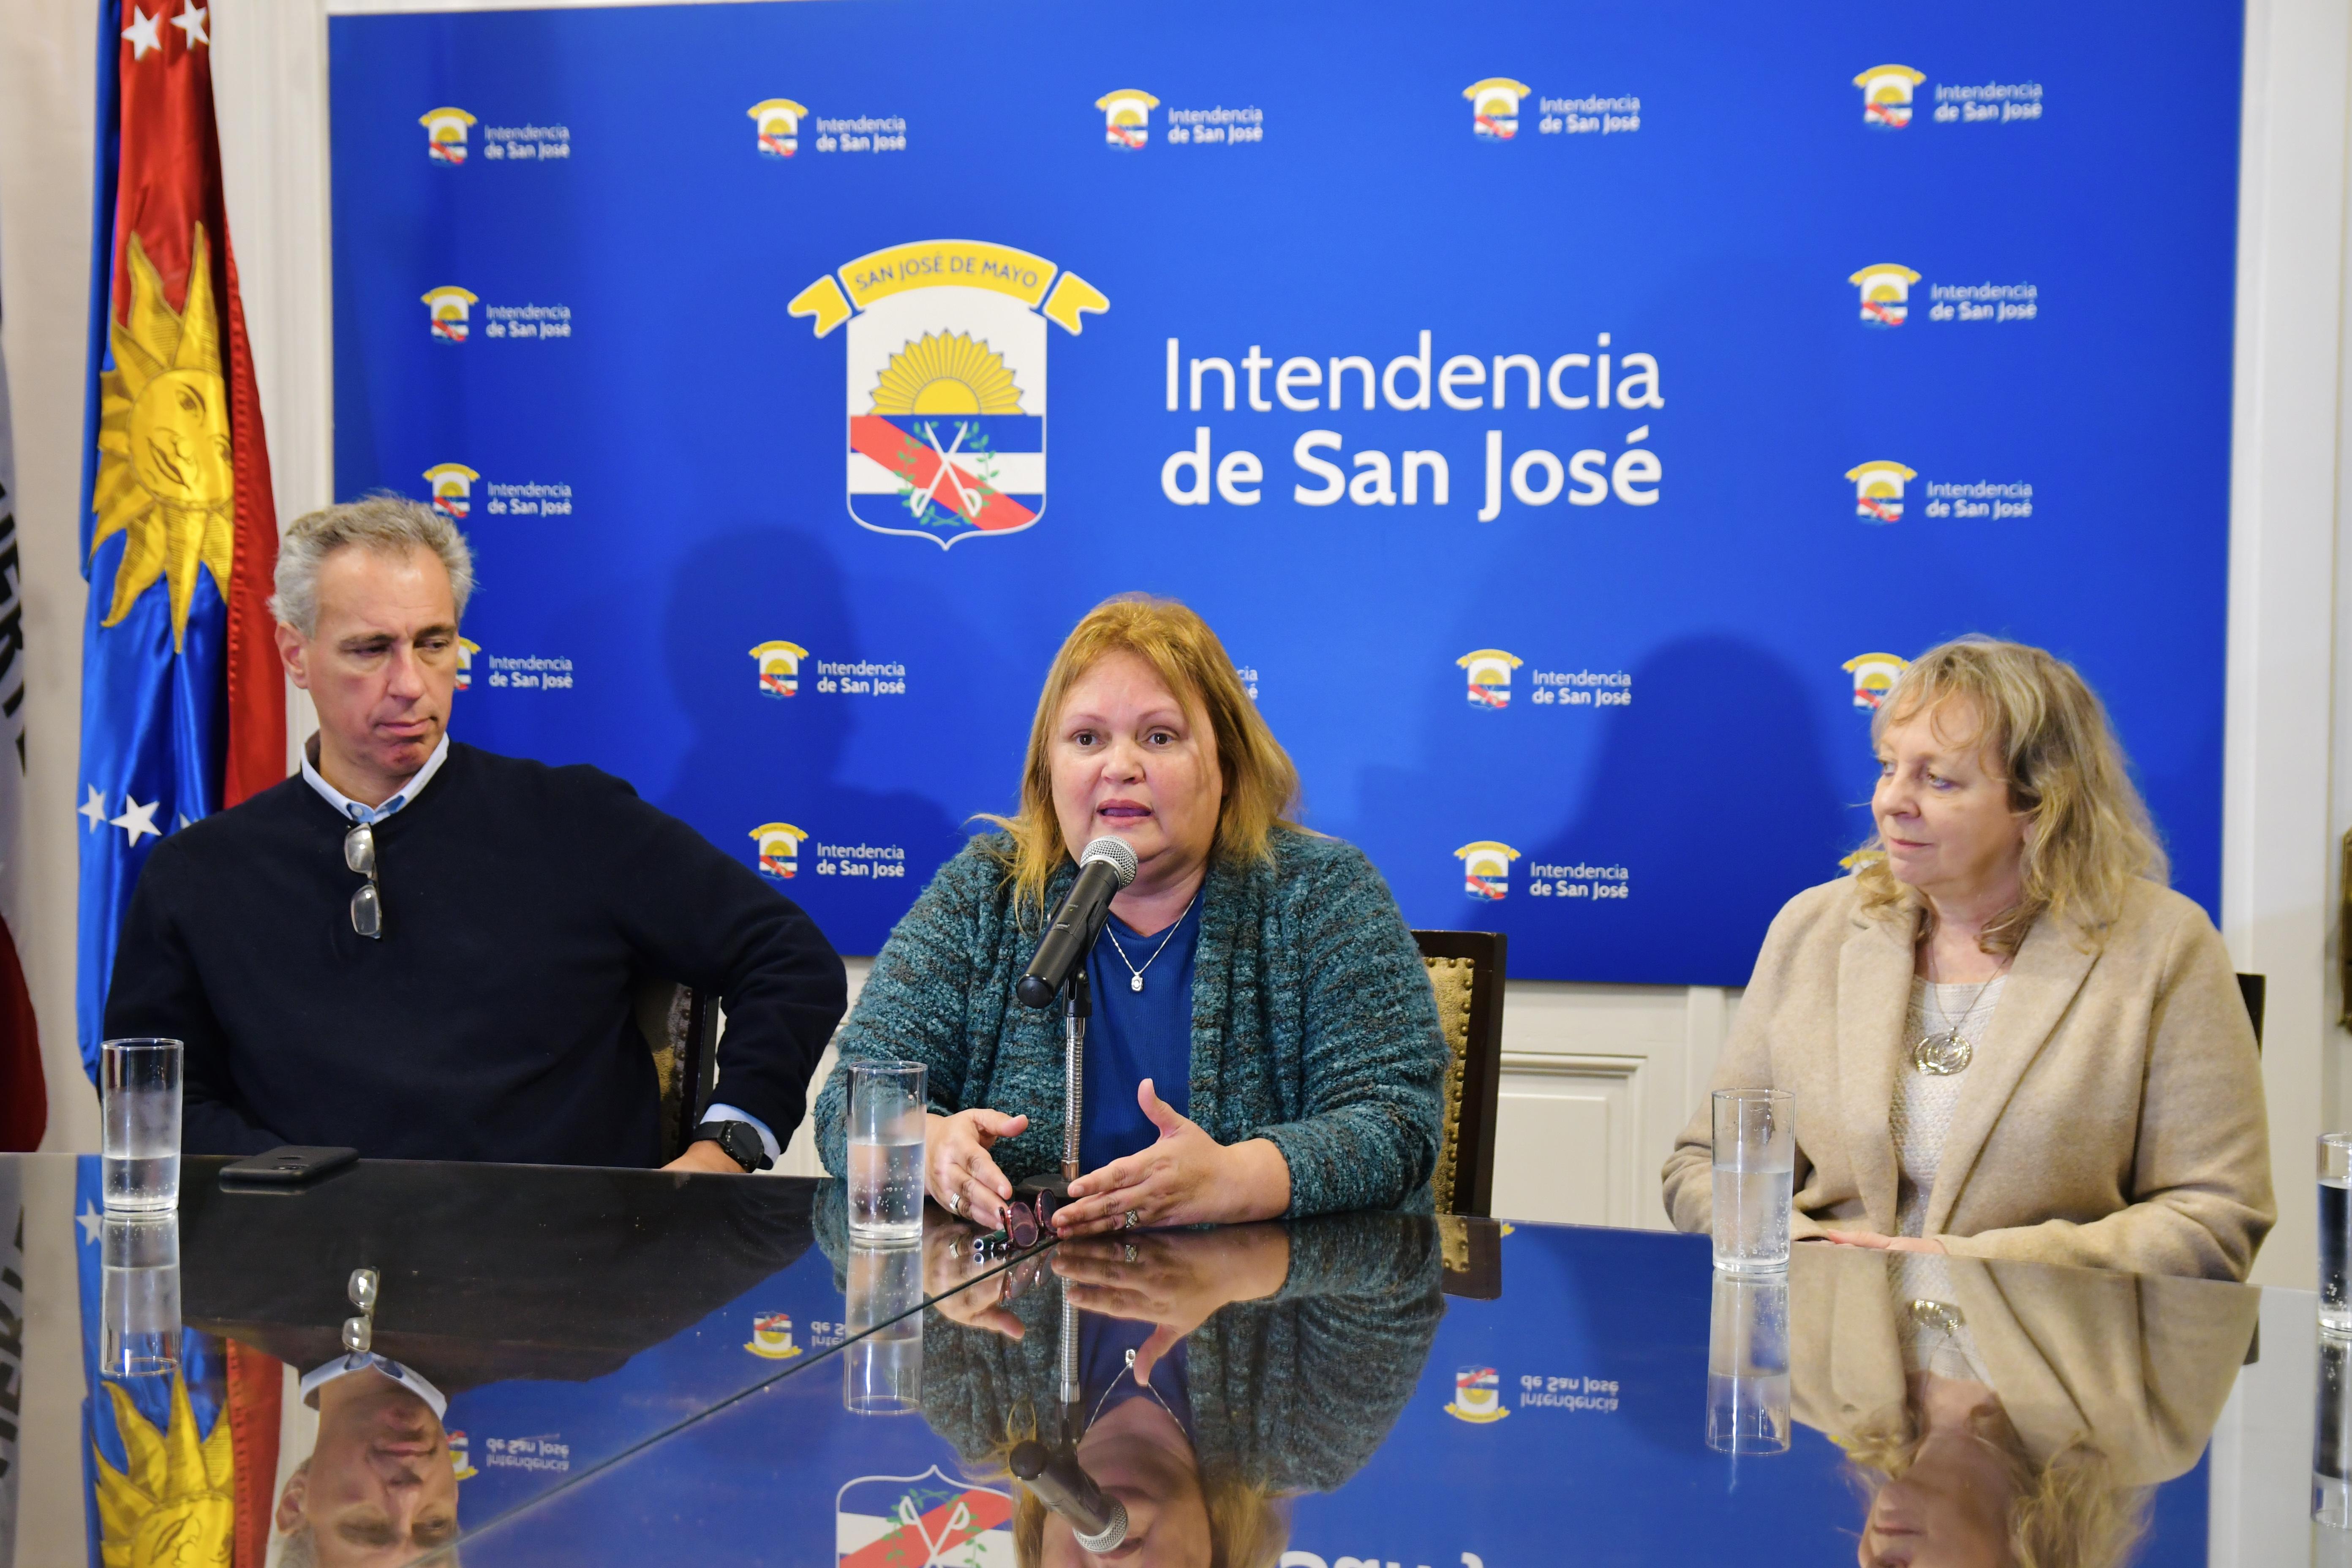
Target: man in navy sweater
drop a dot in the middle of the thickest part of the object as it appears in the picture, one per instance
(426, 950)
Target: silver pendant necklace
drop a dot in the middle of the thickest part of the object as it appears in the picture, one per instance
(1135, 975)
(1942, 1052)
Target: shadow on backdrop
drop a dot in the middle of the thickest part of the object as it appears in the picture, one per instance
(1718, 767)
(755, 759)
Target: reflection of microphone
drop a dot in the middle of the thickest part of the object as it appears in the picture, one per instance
(1098, 1519)
(1107, 866)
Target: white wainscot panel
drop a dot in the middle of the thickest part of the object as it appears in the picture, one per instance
(1565, 1139)
(1597, 1080)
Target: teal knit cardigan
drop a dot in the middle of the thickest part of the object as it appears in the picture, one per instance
(1313, 1023)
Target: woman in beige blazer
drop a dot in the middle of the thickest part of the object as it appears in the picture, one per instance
(2006, 1037)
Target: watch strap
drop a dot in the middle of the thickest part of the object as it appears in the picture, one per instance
(739, 1139)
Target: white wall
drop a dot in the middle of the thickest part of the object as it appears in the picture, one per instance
(47, 56)
(2276, 850)
(1596, 1078)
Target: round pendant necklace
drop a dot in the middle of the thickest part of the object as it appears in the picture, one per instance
(1135, 975)
(1943, 1052)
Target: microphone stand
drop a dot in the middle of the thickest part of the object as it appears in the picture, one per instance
(1051, 1471)
(1046, 1193)
(1097, 1519)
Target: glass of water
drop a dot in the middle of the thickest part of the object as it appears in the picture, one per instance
(2331, 1438)
(885, 1151)
(2335, 1232)
(1748, 1364)
(139, 1295)
(139, 1102)
(882, 1366)
(1755, 1177)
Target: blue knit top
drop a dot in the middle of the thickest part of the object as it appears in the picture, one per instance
(1313, 1023)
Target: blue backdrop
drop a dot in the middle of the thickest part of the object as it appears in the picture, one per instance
(1744, 352)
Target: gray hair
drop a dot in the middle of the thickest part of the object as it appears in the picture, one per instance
(387, 524)
(299, 1548)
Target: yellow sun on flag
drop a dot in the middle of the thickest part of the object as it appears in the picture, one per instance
(174, 1506)
(164, 477)
(943, 373)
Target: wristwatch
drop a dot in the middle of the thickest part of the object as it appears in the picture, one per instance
(739, 1139)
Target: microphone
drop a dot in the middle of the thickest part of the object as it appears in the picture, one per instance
(1098, 1519)
(1107, 866)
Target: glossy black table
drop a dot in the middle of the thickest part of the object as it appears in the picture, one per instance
(642, 1368)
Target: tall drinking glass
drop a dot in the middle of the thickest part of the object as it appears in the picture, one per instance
(882, 1366)
(1748, 1364)
(138, 1103)
(2335, 1231)
(139, 1295)
(2331, 1437)
(886, 1153)
(1755, 1175)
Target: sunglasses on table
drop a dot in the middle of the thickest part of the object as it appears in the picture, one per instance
(367, 904)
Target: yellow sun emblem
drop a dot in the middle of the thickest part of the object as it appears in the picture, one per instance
(941, 373)
(164, 471)
(174, 1508)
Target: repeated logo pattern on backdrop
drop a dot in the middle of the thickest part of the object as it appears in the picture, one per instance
(1544, 429)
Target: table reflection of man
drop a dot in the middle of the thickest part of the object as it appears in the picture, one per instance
(2008, 1413)
(485, 1275)
(380, 1486)
(1222, 1372)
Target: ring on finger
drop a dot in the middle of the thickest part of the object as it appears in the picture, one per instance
(955, 1201)
(1131, 1219)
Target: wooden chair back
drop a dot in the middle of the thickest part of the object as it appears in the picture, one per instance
(680, 1026)
(1467, 970)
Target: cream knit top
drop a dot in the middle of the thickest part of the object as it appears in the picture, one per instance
(1921, 1116)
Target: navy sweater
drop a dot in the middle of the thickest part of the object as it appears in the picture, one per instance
(521, 905)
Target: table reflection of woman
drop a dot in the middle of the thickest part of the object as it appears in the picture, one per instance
(2003, 1414)
(1263, 1040)
(1223, 1372)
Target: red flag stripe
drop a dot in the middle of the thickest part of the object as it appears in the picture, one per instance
(255, 757)
(23, 1094)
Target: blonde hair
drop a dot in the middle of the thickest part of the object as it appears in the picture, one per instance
(1247, 1528)
(2068, 1510)
(1261, 783)
(2087, 832)
(1248, 1524)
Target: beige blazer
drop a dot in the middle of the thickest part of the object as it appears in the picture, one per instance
(2112, 1116)
(2136, 1368)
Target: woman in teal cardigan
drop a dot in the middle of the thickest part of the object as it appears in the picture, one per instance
(1265, 1041)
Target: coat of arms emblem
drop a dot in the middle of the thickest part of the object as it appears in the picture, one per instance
(1477, 1396)
(947, 381)
(931, 1521)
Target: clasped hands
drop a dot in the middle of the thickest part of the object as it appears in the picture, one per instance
(1185, 1177)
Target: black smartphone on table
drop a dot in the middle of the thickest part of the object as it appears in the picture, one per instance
(291, 1165)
